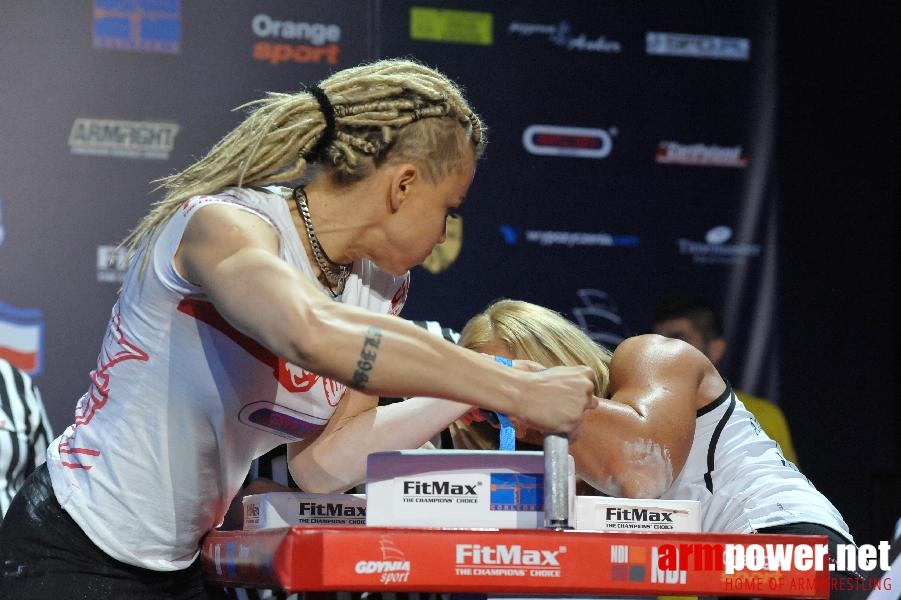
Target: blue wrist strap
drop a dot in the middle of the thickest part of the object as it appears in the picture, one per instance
(508, 433)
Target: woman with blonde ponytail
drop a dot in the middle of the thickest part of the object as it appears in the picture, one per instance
(254, 315)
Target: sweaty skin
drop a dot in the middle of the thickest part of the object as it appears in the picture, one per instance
(635, 443)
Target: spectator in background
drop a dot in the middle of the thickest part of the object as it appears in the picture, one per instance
(696, 321)
(24, 430)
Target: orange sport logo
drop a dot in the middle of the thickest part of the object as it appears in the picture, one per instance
(295, 41)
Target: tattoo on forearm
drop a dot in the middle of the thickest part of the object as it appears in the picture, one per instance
(368, 354)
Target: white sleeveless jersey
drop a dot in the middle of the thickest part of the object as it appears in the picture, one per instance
(741, 478)
(181, 403)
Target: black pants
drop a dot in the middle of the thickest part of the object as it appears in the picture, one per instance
(44, 554)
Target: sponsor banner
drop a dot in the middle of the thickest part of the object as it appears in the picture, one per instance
(283, 41)
(715, 249)
(22, 337)
(697, 46)
(138, 25)
(514, 235)
(284, 509)
(564, 36)
(704, 155)
(501, 561)
(122, 139)
(446, 253)
(578, 142)
(112, 262)
(599, 316)
(457, 488)
(455, 26)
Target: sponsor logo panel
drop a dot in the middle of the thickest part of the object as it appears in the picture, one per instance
(508, 560)
(392, 566)
(514, 235)
(446, 253)
(297, 42)
(112, 262)
(137, 25)
(715, 249)
(122, 139)
(704, 155)
(689, 45)
(579, 142)
(564, 36)
(517, 491)
(599, 316)
(22, 337)
(455, 26)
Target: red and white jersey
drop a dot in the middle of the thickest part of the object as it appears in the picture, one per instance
(181, 403)
(741, 478)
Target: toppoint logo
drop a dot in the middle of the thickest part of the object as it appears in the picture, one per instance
(318, 42)
(580, 142)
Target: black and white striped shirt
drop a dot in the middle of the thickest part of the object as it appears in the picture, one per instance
(24, 431)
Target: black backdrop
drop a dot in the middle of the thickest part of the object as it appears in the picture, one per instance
(838, 169)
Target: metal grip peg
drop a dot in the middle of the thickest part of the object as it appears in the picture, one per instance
(556, 481)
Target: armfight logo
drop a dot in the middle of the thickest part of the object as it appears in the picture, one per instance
(715, 250)
(138, 25)
(297, 42)
(122, 139)
(697, 46)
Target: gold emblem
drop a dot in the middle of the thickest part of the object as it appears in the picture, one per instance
(443, 255)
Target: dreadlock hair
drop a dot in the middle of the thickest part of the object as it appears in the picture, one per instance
(392, 110)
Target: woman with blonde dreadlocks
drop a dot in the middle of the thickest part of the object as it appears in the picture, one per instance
(254, 315)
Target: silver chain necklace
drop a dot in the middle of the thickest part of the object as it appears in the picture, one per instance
(335, 274)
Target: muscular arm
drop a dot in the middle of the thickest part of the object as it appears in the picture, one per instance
(636, 443)
(233, 256)
(336, 460)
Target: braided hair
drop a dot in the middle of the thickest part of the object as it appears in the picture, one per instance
(387, 110)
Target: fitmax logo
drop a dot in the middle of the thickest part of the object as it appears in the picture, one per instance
(501, 554)
(439, 488)
(639, 514)
(331, 510)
